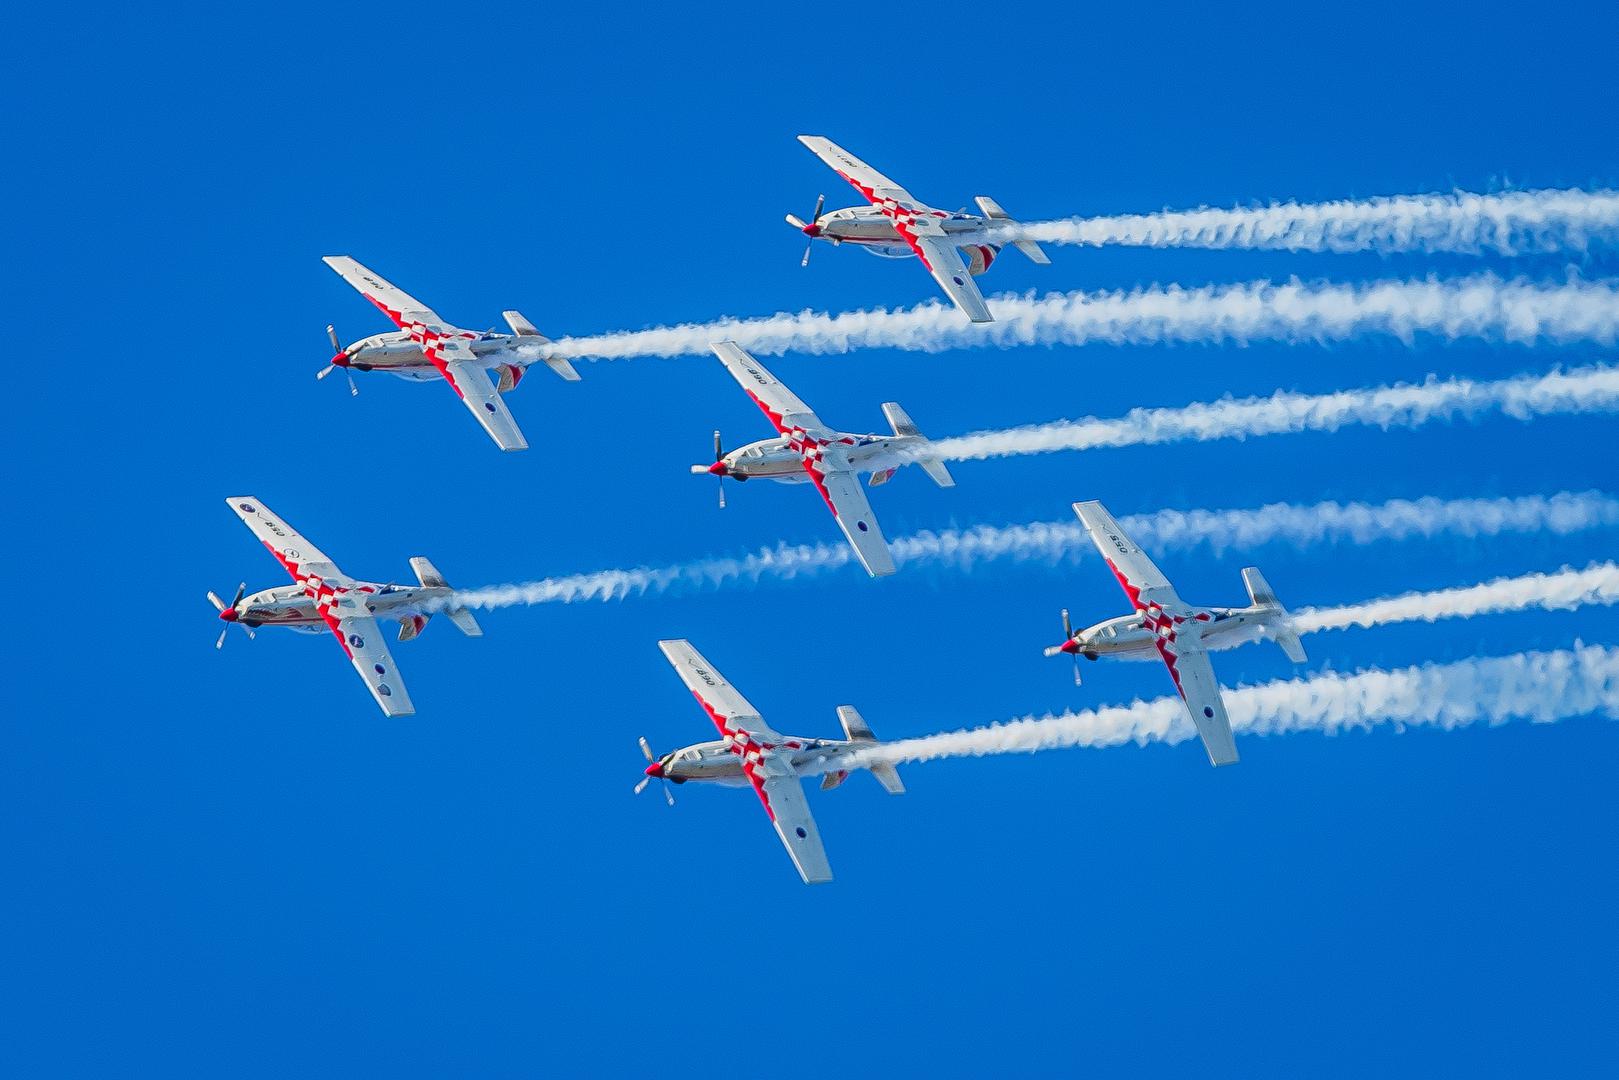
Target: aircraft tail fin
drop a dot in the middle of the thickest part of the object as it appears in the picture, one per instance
(858, 731)
(1263, 596)
(992, 210)
(527, 335)
(429, 576)
(904, 426)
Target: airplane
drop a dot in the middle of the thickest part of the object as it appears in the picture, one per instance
(324, 598)
(809, 451)
(749, 752)
(1178, 633)
(897, 225)
(426, 347)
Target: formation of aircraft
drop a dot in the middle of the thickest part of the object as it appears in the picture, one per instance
(324, 598)
(806, 450)
(749, 752)
(483, 366)
(426, 347)
(898, 225)
(1176, 632)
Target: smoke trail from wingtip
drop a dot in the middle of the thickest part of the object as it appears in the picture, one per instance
(1542, 687)
(1564, 590)
(1300, 525)
(1523, 397)
(1506, 223)
(1482, 307)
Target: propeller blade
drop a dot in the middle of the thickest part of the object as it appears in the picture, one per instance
(213, 598)
(807, 249)
(795, 221)
(719, 448)
(251, 636)
(668, 796)
(1067, 627)
(354, 391)
(331, 332)
(325, 371)
(240, 591)
(647, 750)
(645, 780)
(220, 644)
(820, 201)
(722, 493)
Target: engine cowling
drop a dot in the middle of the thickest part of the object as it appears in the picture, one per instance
(979, 257)
(510, 376)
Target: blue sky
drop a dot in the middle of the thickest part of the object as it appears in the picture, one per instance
(229, 863)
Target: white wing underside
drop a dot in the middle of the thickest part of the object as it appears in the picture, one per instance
(859, 524)
(1201, 691)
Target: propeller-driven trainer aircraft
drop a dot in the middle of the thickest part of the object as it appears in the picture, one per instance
(1178, 633)
(426, 347)
(898, 225)
(749, 752)
(323, 598)
(809, 451)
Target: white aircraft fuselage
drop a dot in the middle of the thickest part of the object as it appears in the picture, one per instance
(718, 762)
(1131, 637)
(290, 606)
(870, 229)
(397, 354)
(777, 459)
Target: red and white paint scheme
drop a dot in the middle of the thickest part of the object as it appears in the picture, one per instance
(324, 598)
(1166, 627)
(749, 753)
(426, 347)
(896, 225)
(807, 451)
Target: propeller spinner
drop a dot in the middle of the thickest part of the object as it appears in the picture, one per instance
(654, 768)
(812, 229)
(228, 613)
(340, 359)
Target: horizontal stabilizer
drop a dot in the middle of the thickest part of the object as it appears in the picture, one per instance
(1263, 596)
(858, 731)
(905, 427)
(1029, 248)
(530, 336)
(464, 622)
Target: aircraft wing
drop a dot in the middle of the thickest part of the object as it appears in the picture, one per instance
(782, 793)
(300, 557)
(395, 302)
(471, 384)
(723, 702)
(943, 261)
(1143, 582)
(1194, 678)
(361, 638)
(868, 181)
(781, 405)
(847, 498)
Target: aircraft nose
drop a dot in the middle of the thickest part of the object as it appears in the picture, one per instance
(229, 614)
(813, 229)
(1069, 646)
(341, 359)
(719, 468)
(655, 769)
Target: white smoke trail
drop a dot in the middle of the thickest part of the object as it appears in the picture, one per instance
(1300, 525)
(1507, 223)
(1565, 590)
(1542, 687)
(1585, 390)
(1483, 307)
